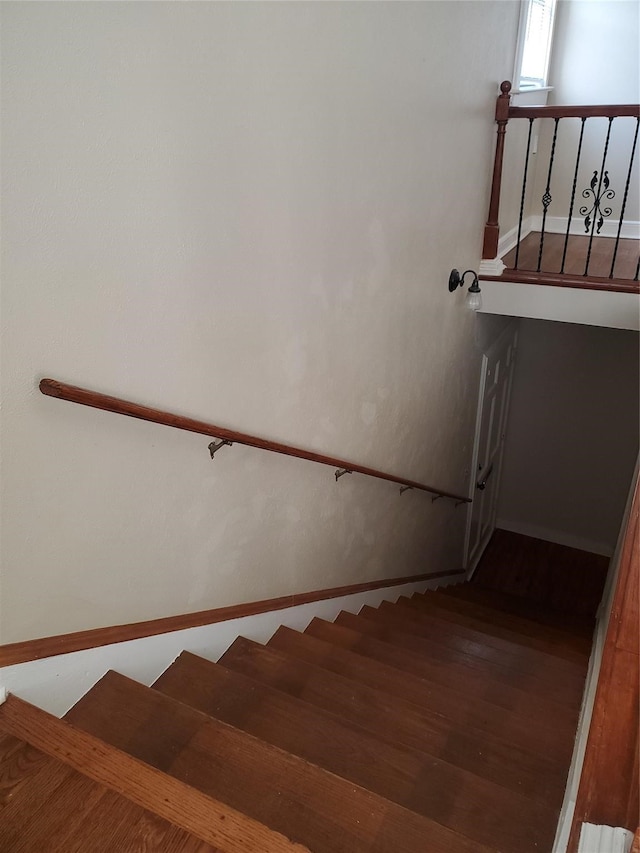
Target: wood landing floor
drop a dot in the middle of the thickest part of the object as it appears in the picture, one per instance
(599, 264)
(564, 583)
(441, 723)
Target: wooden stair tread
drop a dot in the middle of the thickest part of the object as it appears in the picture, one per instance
(431, 787)
(163, 795)
(357, 752)
(341, 650)
(18, 762)
(491, 621)
(520, 624)
(520, 606)
(309, 805)
(526, 672)
(51, 807)
(421, 659)
(352, 688)
(445, 631)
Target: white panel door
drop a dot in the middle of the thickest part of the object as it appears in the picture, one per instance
(493, 408)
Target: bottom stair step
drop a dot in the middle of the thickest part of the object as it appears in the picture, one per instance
(306, 804)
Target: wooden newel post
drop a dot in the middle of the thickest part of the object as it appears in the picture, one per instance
(492, 228)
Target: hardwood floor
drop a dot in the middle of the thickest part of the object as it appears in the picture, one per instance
(443, 722)
(577, 247)
(47, 805)
(563, 584)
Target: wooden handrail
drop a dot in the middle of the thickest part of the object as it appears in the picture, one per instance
(53, 388)
(592, 111)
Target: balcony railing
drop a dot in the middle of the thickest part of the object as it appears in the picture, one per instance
(565, 199)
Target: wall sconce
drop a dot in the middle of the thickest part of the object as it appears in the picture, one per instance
(474, 299)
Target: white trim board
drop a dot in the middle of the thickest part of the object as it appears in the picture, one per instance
(56, 683)
(565, 304)
(558, 225)
(604, 839)
(558, 537)
(510, 239)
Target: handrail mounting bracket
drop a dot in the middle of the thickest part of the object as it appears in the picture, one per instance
(214, 447)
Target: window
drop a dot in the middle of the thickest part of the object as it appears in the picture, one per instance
(534, 43)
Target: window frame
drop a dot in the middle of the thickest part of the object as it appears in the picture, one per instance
(539, 83)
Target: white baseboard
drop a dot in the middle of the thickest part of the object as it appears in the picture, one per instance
(558, 225)
(509, 240)
(56, 683)
(604, 839)
(558, 537)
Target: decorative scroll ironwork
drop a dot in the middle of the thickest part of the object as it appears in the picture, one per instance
(597, 210)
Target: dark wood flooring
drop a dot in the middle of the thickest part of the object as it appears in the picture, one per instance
(575, 262)
(563, 583)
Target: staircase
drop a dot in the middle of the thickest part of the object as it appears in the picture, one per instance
(444, 722)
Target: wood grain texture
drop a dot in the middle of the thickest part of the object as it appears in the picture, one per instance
(486, 622)
(51, 808)
(287, 722)
(44, 647)
(423, 783)
(396, 672)
(572, 623)
(18, 762)
(293, 797)
(85, 397)
(576, 111)
(169, 798)
(380, 697)
(450, 632)
(600, 259)
(435, 662)
(616, 285)
(493, 620)
(520, 667)
(492, 229)
(543, 581)
(608, 791)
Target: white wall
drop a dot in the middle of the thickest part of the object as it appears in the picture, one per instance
(572, 437)
(246, 213)
(595, 56)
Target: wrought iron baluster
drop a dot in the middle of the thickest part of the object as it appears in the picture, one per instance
(546, 198)
(624, 200)
(573, 195)
(637, 270)
(524, 189)
(604, 177)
